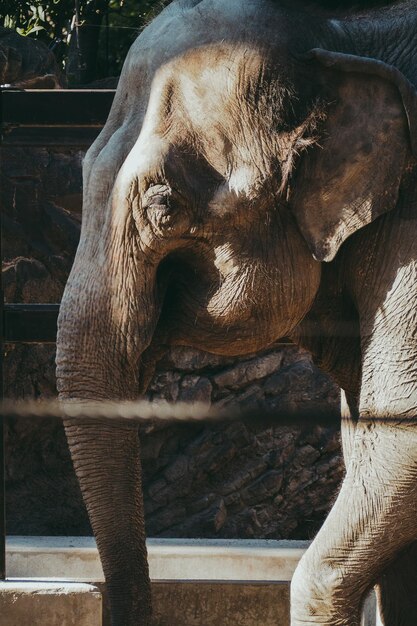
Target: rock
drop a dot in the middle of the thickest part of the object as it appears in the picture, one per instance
(165, 386)
(166, 518)
(157, 487)
(201, 504)
(264, 487)
(247, 400)
(210, 521)
(28, 280)
(191, 360)
(27, 63)
(220, 516)
(306, 455)
(177, 470)
(247, 372)
(195, 389)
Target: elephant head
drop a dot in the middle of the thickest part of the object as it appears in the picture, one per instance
(239, 154)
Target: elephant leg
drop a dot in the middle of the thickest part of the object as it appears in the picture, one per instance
(397, 590)
(397, 587)
(107, 463)
(358, 541)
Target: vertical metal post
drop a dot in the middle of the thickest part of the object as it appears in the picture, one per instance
(2, 466)
(2, 426)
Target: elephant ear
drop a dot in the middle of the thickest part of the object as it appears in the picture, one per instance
(353, 173)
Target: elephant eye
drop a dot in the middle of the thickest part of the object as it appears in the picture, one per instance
(157, 197)
(159, 200)
(161, 204)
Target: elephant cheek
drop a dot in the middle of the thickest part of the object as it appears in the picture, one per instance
(287, 279)
(297, 279)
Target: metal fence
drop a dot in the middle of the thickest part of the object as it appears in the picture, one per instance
(55, 118)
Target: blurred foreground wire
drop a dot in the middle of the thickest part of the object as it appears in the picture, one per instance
(142, 412)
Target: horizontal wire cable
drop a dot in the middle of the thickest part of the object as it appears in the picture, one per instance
(142, 412)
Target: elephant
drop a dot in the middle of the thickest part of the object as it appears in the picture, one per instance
(255, 179)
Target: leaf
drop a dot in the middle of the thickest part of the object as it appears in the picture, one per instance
(9, 22)
(34, 29)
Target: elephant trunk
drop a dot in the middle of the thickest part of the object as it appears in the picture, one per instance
(107, 464)
(106, 321)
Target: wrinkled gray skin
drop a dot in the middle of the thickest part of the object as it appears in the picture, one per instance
(243, 190)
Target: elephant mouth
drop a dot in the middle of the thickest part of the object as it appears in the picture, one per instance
(231, 313)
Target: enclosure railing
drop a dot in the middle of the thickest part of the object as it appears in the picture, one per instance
(57, 118)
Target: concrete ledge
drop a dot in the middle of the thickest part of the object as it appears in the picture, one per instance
(221, 604)
(41, 604)
(194, 582)
(76, 559)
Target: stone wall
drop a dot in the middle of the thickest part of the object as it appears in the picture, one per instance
(229, 480)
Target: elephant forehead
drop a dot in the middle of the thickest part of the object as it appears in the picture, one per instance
(227, 95)
(217, 104)
(214, 127)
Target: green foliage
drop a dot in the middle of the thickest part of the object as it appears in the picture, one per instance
(54, 22)
(30, 17)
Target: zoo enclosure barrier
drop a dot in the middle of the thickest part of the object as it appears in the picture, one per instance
(40, 118)
(72, 119)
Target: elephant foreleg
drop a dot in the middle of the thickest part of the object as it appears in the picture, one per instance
(397, 587)
(372, 520)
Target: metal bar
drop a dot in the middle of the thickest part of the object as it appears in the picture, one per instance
(30, 323)
(2, 424)
(57, 117)
(2, 499)
(56, 107)
(50, 136)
